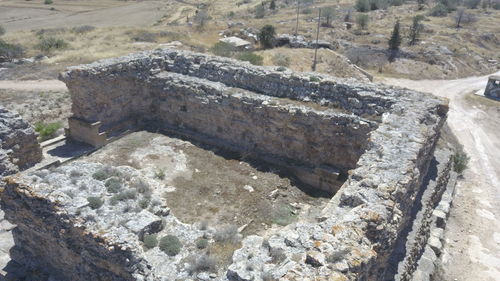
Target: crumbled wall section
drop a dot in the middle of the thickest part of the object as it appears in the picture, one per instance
(357, 232)
(19, 148)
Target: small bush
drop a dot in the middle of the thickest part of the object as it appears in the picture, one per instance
(226, 234)
(281, 60)
(202, 263)
(150, 241)
(171, 245)
(314, 79)
(250, 57)
(123, 196)
(460, 161)
(48, 2)
(48, 44)
(95, 202)
(144, 203)
(260, 12)
(83, 29)
(439, 10)
(106, 172)
(160, 174)
(222, 49)
(141, 186)
(202, 243)
(10, 51)
(113, 185)
(362, 21)
(266, 36)
(47, 130)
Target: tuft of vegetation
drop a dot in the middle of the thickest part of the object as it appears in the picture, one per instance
(48, 2)
(95, 202)
(113, 185)
(83, 29)
(363, 6)
(460, 161)
(227, 233)
(281, 60)
(160, 174)
(202, 263)
(171, 245)
(144, 203)
(202, 243)
(47, 130)
(251, 58)
(141, 186)
(123, 196)
(315, 79)
(150, 241)
(10, 51)
(106, 172)
(266, 36)
(49, 44)
(222, 49)
(362, 21)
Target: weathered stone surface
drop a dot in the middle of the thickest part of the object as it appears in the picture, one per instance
(19, 148)
(359, 228)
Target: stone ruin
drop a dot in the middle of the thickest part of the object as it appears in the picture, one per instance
(369, 146)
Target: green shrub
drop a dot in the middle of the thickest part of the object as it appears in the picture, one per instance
(113, 185)
(141, 186)
(171, 245)
(48, 44)
(106, 172)
(95, 202)
(227, 233)
(48, 2)
(47, 130)
(266, 36)
(10, 51)
(150, 241)
(460, 161)
(362, 20)
(260, 12)
(144, 203)
(314, 79)
(439, 10)
(222, 49)
(202, 243)
(362, 6)
(160, 174)
(123, 196)
(250, 57)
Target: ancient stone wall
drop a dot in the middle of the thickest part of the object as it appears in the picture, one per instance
(358, 231)
(19, 148)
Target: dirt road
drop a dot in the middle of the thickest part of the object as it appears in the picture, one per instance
(33, 85)
(472, 248)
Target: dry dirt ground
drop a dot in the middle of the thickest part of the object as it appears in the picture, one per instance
(472, 247)
(213, 185)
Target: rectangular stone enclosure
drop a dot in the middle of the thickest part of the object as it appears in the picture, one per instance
(368, 144)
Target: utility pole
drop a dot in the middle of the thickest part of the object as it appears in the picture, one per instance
(317, 39)
(297, 22)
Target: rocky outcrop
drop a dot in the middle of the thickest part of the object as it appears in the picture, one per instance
(356, 234)
(19, 148)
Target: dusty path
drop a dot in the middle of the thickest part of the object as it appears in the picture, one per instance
(32, 85)
(472, 248)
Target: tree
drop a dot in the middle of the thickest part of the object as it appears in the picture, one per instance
(329, 14)
(272, 5)
(362, 21)
(415, 29)
(395, 40)
(266, 36)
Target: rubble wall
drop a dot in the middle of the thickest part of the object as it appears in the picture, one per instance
(19, 148)
(356, 235)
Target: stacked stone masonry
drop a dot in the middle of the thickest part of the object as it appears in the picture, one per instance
(383, 137)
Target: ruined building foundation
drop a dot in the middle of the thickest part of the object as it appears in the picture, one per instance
(369, 146)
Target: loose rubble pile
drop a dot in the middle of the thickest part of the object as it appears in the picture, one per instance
(353, 239)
